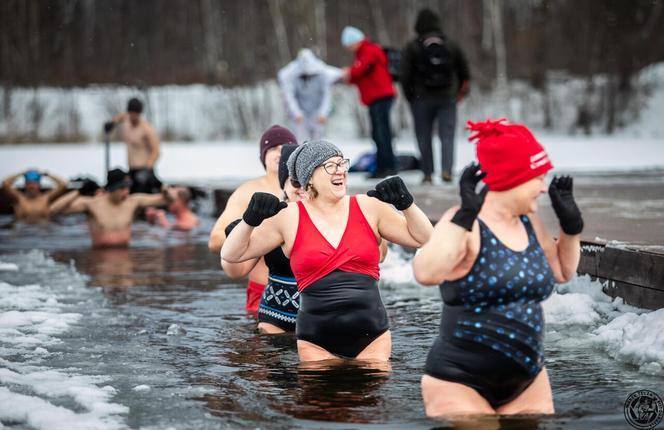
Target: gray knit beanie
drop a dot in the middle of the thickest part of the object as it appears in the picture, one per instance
(307, 157)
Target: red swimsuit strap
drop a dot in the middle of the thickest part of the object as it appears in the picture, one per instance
(313, 256)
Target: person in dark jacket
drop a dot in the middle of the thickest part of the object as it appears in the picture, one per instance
(370, 73)
(435, 77)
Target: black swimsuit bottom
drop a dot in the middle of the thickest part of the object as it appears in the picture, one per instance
(342, 313)
(494, 376)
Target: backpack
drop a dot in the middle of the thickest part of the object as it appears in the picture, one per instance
(367, 163)
(435, 61)
(393, 62)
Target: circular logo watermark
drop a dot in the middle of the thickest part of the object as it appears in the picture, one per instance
(644, 409)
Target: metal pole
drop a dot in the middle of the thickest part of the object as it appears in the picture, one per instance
(107, 150)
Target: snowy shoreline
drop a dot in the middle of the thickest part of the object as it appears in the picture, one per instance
(237, 159)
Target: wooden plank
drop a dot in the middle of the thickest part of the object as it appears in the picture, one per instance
(632, 267)
(591, 253)
(635, 295)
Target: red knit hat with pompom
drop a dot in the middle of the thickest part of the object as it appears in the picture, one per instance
(508, 153)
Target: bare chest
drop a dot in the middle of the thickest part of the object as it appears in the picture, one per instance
(108, 216)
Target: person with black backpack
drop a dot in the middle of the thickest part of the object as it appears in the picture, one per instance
(434, 78)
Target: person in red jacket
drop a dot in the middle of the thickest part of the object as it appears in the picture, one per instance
(369, 72)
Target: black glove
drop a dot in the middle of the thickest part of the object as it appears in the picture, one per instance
(564, 205)
(231, 226)
(108, 126)
(262, 206)
(471, 202)
(393, 190)
(88, 187)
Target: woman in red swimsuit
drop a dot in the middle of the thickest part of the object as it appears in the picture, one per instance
(332, 240)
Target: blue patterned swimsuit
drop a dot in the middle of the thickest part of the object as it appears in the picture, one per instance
(280, 301)
(491, 330)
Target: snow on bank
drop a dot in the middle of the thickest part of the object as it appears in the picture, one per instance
(208, 161)
(627, 334)
(635, 339)
(8, 267)
(33, 319)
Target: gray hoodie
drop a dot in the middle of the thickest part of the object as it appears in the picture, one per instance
(306, 83)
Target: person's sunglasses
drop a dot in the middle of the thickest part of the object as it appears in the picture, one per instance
(331, 167)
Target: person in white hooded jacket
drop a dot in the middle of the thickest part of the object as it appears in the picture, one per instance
(306, 83)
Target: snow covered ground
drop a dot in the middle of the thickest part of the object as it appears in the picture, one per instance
(215, 161)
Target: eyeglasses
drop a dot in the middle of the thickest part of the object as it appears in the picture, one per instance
(331, 167)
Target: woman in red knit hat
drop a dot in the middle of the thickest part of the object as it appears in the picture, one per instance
(497, 262)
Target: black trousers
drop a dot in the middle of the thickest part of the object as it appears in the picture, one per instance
(379, 114)
(425, 112)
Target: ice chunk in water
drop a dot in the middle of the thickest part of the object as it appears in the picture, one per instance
(635, 339)
(175, 330)
(141, 388)
(8, 267)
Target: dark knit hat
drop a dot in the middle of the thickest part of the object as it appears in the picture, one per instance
(134, 105)
(275, 136)
(286, 151)
(116, 179)
(427, 22)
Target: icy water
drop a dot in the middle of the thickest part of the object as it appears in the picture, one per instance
(155, 337)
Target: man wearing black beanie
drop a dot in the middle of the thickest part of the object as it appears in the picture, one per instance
(434, 77)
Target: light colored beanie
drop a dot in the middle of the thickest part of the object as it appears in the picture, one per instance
(303, 161)
(351, 35)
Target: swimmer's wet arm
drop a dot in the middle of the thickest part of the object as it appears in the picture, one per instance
(70, 203)
(146, 200)
(238, 270)
(246, 242)
(568, 245)
(60, 185)
(382, 249)
(154, 145)
(569, 255)
(419, 226)
(563, 254)
(444, 251)
(410, 228)
(118, 118)
(8, 184)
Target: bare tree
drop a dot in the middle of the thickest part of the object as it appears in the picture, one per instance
(280, 30)
(502, 88)
(321, 28)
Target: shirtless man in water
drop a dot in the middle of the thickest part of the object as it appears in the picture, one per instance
(31, 204)
(185, 218)
(142, 147)
(270, 153)
(110, 214)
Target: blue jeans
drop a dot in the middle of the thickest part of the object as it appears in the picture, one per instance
(379, 114)
(425, 112)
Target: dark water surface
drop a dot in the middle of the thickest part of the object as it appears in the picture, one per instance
(214, 371)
